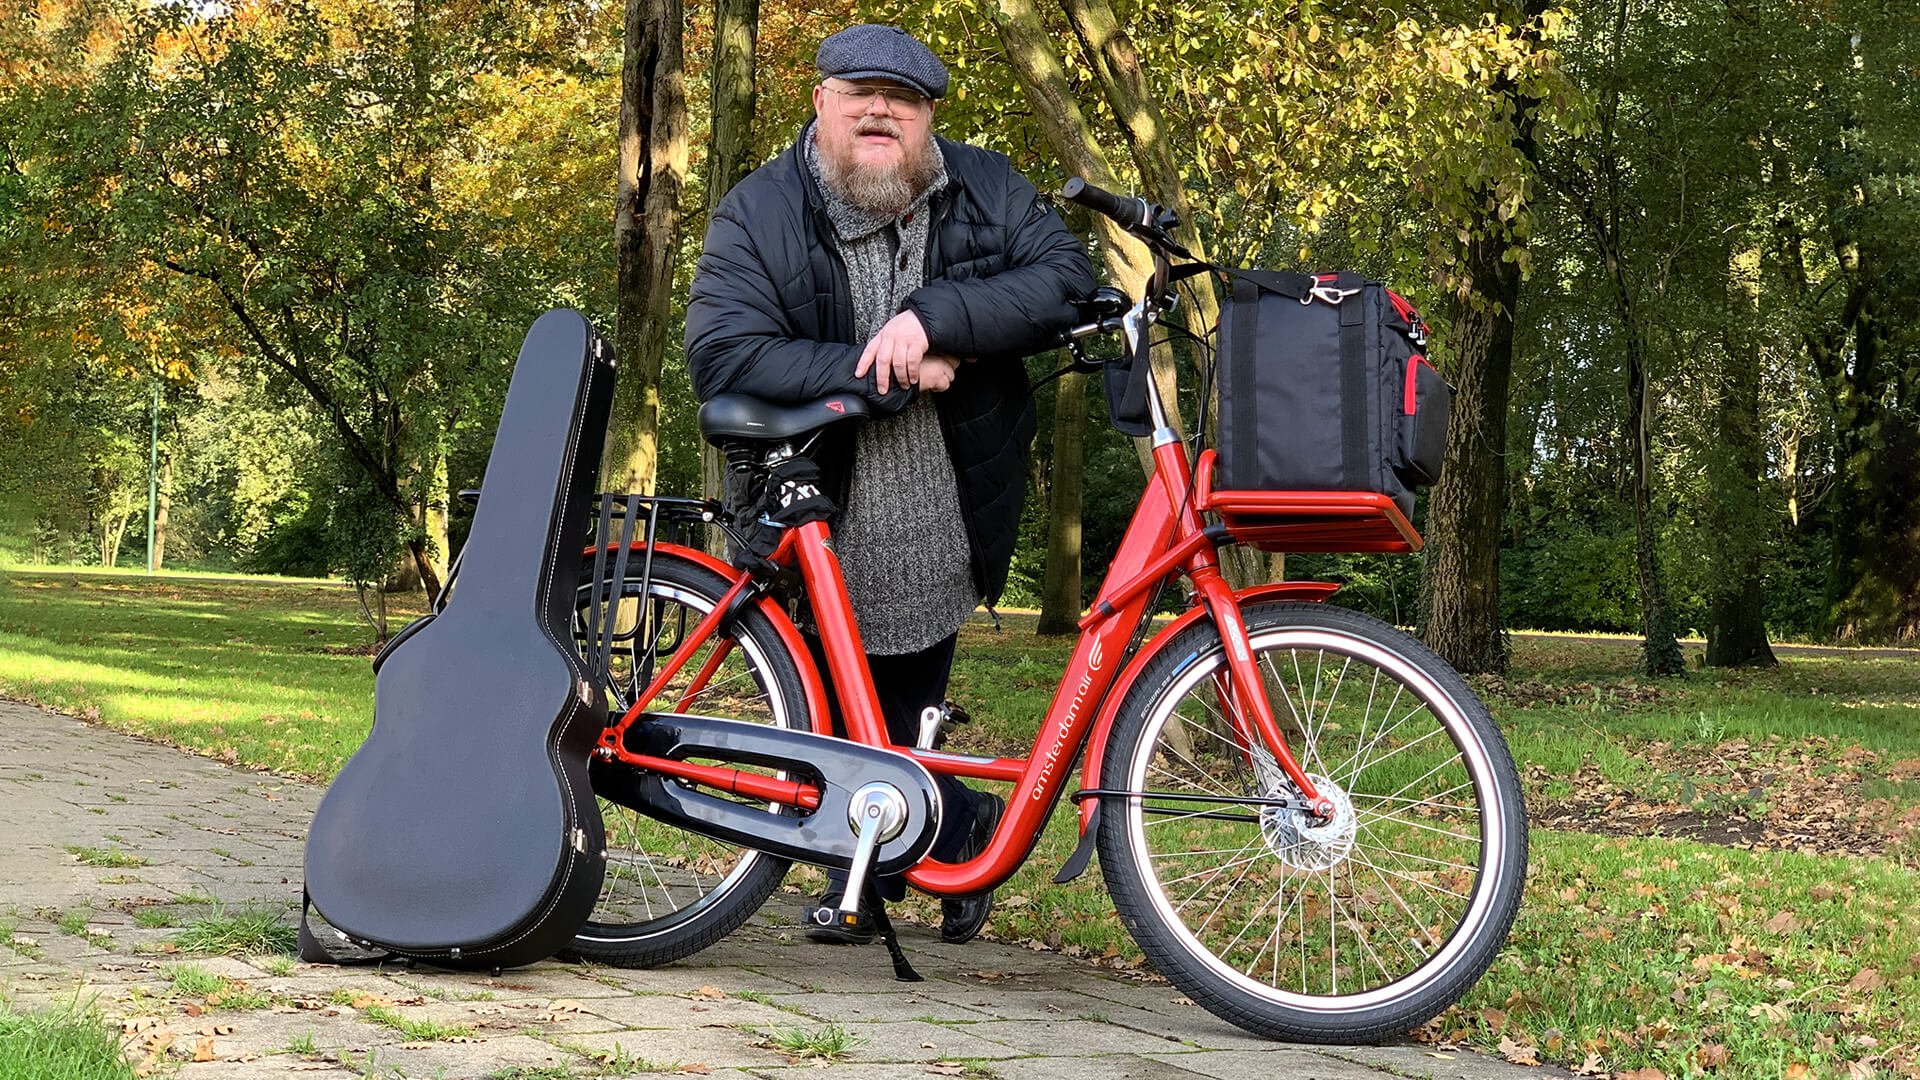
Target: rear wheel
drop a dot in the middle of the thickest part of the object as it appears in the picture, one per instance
(1345, 930)
(669, 893)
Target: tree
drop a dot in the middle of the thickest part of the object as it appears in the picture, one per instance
(1460, 617)
(652, 170)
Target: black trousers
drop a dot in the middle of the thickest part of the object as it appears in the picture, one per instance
(906, 684)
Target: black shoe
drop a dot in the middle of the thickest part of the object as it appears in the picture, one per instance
(963, 917)
(828, 925)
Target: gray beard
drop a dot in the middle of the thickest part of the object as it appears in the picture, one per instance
(884, 191)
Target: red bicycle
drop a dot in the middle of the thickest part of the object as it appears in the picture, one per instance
(1305, 818)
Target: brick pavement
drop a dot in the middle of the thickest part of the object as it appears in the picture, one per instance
(195, 836)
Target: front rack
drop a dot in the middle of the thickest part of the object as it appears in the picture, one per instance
(1300, 521)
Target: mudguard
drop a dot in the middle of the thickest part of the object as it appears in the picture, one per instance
(1307, 591)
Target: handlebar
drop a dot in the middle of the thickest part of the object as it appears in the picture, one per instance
(1128, 210)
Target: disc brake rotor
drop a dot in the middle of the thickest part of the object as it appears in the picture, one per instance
(1303, 841)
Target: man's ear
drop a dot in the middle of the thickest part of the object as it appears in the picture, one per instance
(819, 98)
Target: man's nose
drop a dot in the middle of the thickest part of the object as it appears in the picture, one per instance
(879, 102)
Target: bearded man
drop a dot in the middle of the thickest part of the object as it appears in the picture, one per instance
(874, 257)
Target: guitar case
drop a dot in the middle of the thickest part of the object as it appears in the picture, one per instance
(464, 831)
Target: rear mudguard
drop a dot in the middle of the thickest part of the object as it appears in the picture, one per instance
(1309, 591)
(822, 836)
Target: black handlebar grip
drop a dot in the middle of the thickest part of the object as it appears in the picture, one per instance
(1127, 210)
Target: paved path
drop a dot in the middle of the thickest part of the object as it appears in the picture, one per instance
(195, 836)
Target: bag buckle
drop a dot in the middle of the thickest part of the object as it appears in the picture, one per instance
(1327, 293)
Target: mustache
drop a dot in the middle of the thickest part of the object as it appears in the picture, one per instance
(878, 125)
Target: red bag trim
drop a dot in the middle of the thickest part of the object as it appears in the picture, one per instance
(1413, 368)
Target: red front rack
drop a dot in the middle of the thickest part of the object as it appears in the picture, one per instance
(1307, 520)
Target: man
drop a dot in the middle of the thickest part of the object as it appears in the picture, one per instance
(873, 257)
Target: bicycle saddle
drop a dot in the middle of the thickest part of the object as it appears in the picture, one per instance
(737, 416)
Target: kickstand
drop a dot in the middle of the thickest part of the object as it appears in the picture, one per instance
(902, 970)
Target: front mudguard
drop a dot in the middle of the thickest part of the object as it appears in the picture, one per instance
(1307, 591)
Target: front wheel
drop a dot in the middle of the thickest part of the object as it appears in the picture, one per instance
(669, 893)
(1352, 929)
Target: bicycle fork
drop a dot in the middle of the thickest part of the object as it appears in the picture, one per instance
(1246, 699)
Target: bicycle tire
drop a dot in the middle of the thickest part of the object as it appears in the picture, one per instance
(657, 905)
(1427, 871)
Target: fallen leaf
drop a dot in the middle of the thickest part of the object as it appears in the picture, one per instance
(709, 993)
(947, 1068)
(1518, 1052)
(1783, 923)
(697, 1068)
(203, 1050)
(1495, 1018)
(1593, 1066)
(1648, 1073)
(1711, 1056)
(1867, 980)
(1797, 1071)
(561, 1005)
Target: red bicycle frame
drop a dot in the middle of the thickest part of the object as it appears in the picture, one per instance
(1166, 537)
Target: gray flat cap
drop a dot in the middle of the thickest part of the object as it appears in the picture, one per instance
(874, 51)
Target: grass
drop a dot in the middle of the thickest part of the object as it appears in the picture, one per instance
(413, 1029)
(215, 991)
(270, 673)
(61, 1045)
(827, 1043)
(247, 932)
(114, 857)
(1644, 951)
(154, 918)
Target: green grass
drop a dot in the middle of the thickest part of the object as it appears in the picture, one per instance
(247, 932)
(1642, 950)
(235, 669)
(827, 1043)
(60, 1045)
(303, 1045)
(93, 856)
(154, 918)
(413, 1029)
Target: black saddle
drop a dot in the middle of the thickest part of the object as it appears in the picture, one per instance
(737, 416)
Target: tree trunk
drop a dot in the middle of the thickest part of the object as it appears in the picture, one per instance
(1460, 577)
(1736, 518)
(113, 528)
(163, 507)
(1460, 580)
(1060, 589)
(434, 518)
(1660, 652)
(1036, 63)
(1117, 65)
(651, 175)
(736, 30)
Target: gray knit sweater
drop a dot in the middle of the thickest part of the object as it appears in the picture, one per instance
(901, 540)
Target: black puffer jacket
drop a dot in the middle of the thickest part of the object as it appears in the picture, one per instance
(771, 315)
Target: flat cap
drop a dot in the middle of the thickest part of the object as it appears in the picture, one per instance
(875, 51)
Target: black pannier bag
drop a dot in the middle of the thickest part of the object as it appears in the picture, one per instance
(1324, 386)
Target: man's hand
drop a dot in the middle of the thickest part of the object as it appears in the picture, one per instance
(937, 371)
(895, 353)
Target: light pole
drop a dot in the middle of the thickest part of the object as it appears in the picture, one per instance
(153, 477)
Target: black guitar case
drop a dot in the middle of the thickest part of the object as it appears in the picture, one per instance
(464, 830)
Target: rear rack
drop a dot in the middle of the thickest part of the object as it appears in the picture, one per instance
(1297, 521)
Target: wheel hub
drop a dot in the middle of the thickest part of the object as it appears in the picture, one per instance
(1306, 842)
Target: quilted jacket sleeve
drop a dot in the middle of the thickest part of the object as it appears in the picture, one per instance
(1020, 309)
(740, 341)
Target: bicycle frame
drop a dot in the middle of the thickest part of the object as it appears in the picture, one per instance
(1166, 537)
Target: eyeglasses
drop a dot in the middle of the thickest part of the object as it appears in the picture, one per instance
(901, 102)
